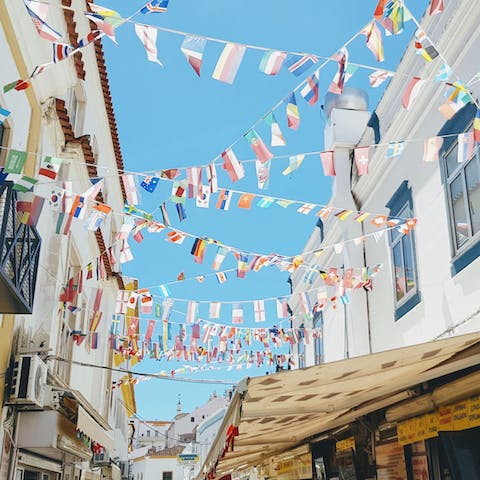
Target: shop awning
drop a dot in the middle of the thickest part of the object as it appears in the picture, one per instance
(278, 412)
(91, 428)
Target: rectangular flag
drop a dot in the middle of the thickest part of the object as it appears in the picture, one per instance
(294, 162)
(38, 13)
(148, 36)
(328, 163)
(277, 139)
(175, 237)
(61, 51)
(130, 189)
(182, 214)
(263, 174)
(150, 329)
(443, 73)
(259, 310)
(30, 206)
(436, 6)
(378, 77)
(339, 79)
(224, 199)
(272, 61)
(395, 149)
(155, 6)
(299, 64)
(203, 199)
(258, 146)
(282, 307)
(431, 148)
(3, 114)
(466, 145)
(221, 277)
(179, 191)
(306, 208)
(476, 126)
(229, 62)
(193, 47)
(192, 312)
(362, 159)
(219, 257)
(150, 184)
(310, 91)
(101, 22)
(374, 40)
(165, 216)
(265, 202)
(412, 91)
(212, 177)
(245, 200)
(293, 116)
(233, 167)
(198, 250)
(50, 167)
(15, 161)
(214, 310)
(24, 184)
(194, 181)
(237, 313)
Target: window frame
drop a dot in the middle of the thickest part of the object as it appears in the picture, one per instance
(463, 255)
(401, 200)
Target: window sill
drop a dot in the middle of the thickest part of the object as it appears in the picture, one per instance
(412, 302)
(466, 257)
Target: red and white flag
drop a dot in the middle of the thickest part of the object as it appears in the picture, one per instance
(214, 310)
(233, 167)
(259, 310)
(194, 181)
(192, 312)
(328, 163)
(212, 177)
(130, 189)
(436, 6)
(237, 314)
(378, 77)
(282, 307)
(362, 159)
(412, 91)
(148, 37)
(431, 148)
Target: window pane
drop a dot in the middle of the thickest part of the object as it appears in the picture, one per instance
(451, 160)
(409, 262)
(459, 214)
(472, 176)
(399, 273)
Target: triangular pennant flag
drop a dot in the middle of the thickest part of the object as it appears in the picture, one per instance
(293, 116)
(277, 139)
(38, 13)
(294, 162)
(193, 47)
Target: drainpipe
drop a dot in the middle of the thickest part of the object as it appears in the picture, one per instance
(347, 118)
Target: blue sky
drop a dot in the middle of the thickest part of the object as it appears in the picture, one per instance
(168, 117)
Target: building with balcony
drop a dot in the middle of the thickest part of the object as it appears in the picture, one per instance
(60, 414)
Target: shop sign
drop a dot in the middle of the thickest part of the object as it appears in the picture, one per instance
(390, 462)
(187, 458)
(345, 445)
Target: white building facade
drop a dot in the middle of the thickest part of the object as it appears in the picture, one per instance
(69, 421)
(428, 285)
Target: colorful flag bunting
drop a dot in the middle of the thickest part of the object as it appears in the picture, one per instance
(277, 139)
(349, 71)
(294, 162)
(265, 202)
(466, 145)
(245, 200)
(310, 91)
(443, 74)
(89, 38)
(328, 163)
(324, 212)
(17, 85)
(155, 6)
(233, 167)
(395, 16)
(395, 149)
(431, 148)
(293, 116)
(424, 47)
(50, 167)
(219, 257)
(193, 47)
(224, 198)
(306, 208)
(229, 63)
(299, 64)
(378, 77)
(362, 159)
(23, 183)
(38, 13)
(101, 22)
(374, 40)
(339, 79)
(263, 174)
(258, 146)
(272, 61)
(412, 91)
(148, 36)
(176, 237)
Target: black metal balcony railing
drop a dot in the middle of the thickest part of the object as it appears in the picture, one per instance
(19, 255)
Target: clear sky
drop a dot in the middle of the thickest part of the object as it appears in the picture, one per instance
(168, 117)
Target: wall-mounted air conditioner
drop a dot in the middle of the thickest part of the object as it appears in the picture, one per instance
(29, 381)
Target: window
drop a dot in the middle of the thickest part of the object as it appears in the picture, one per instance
(76, 103)
(167, 475)
(148, 433)
(4, 134)
(403, 254)
(318, 340)
(192, 419)
(462, 191)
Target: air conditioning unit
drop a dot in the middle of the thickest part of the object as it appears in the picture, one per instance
(102, 458)
(123, 469)
(29, 381)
